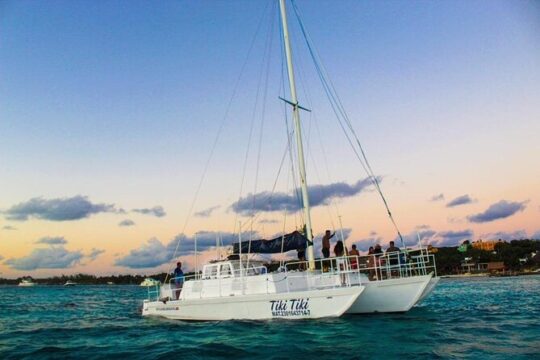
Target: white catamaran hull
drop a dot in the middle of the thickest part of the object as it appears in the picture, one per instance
(310, 304)
(392, 295)
(429, 288)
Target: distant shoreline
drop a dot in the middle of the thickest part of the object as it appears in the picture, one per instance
(460, 276)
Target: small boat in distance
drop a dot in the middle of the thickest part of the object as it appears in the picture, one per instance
(27, 282)
(70, 283)
(150, 282)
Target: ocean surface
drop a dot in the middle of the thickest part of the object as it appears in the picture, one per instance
(481, 318)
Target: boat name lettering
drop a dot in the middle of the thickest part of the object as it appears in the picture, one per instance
(169, 308)
(291, 307)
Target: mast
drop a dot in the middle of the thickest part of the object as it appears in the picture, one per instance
(298, 132)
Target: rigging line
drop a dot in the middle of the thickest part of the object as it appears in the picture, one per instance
(340, 107)
(252, 125)
(313, 118)
(216, 139)
(257, 214)
(264, 101)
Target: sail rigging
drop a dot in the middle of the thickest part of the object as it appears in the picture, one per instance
(342, 117)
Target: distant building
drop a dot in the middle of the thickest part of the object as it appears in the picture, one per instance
(495, 266)
(486, 245)
(467, 266)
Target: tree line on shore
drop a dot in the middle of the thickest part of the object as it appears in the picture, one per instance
(516, 255)
(448, 260)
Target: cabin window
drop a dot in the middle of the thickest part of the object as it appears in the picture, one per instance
(210, 272)
(225, 270)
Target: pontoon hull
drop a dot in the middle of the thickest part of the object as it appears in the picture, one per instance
(429, 288)
(392, 295)
(310, 304)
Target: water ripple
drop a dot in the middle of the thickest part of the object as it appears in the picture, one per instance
(464, 318)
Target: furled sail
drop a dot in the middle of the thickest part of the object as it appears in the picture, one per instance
(287, 242)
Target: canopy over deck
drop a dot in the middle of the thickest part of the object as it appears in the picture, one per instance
(287, 242)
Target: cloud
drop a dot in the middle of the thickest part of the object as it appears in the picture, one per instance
(536, 235)
(151, 254)
(455, 220)
(460, 200)
(506, 236)
(422, 227)
(268, 221)
(126, 222)
(94, 253)
(1, 258)
(60, 209)
(154, 253)
(499, 210)
(452, 238)
(436, 238)
(52, 240)
(411, 238)
(280, 201)
(8, 227)
(364, 244)
(54, 257)
(156, 211)
(439, 197)
(207, 212)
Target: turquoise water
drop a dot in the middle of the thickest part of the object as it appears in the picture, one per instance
(480, 318)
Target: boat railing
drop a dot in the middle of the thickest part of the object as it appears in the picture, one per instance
(286, 280)
(389, 265)
(351, 269)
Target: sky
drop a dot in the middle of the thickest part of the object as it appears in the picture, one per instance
(128, 127)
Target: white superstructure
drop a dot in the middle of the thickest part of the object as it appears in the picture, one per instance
(230, 290)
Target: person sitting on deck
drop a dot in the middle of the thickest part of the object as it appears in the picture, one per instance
(354, 260)
(178, 279)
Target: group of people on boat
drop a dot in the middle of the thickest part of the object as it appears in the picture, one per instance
(340, 250)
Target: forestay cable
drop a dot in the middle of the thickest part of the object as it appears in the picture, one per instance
(338, 110)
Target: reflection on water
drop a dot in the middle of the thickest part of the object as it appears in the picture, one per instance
(476, 318)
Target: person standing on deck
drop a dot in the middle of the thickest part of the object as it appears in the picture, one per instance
(354, 260)
(326, 243)
(393, 253)
(178, 279)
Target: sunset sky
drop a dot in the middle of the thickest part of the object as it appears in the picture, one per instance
(109, 112)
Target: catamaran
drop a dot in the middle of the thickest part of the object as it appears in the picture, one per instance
(394, 282)
(237, 289)
(240, 288)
